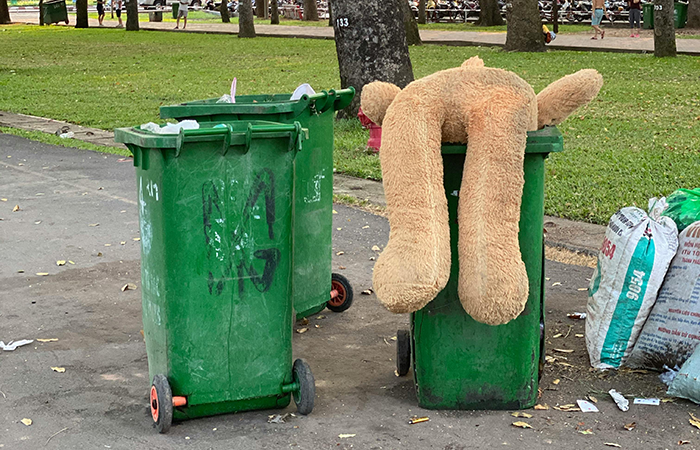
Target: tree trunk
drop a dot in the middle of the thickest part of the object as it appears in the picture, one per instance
(664, 29)
(330, 14)
(41, 12)
(693, 14)
(223, 9)
(489, 14)
(524, 27)
(81, 13)
(421, 11)
(275, 13)
(555, 16)
(409, 21)
(370, 39)
(310, 10)
(246, 22)
(259, 8)
(132, 15)
(4, 13)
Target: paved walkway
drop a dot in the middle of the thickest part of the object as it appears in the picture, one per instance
(561, 233)
(579, 42)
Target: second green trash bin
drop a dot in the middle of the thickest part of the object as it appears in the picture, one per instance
(315, 286)
(459, 363)
(215, 210)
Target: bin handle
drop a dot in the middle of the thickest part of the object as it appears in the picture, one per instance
(296, 137)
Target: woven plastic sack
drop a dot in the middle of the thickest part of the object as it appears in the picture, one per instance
(687, 382)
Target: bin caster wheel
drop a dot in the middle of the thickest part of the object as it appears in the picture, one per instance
(161, 403)
(341, 293)
(403, 352)
(304, 396)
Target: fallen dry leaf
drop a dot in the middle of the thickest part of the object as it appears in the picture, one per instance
(60, 262)
(415, 420)
(3, 199)
(694, 421)
(99, 253)
(342, 267)
(372, 258)
(521, 425)
(71, 262)
(128, 287)
(335, 212)
(302, 330)
(123, 242)
(683, 442)
(26, 421)
(557, 381)
(586, 431)
(58, 369)
(550, 359)
(93, 224)
(338, 229)
(556, 284)
(16, 208)
(558, 335)
(578, 335)
(576, 316)
(630, 426)
(544, 407)
(612, 444)
(108, 245)
(593, 399)
(365, 227)
(48, 340)
(563, 364)
(320, 317)
(521, 414)
(42, 274)
(376, 248)
(305, 321)
(582, 289)
(367, 292)
(340, 253)
(345, 436)
(136, 239)
(567, 408)
(563, 350)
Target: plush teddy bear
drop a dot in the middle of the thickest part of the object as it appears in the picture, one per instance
(491, 110)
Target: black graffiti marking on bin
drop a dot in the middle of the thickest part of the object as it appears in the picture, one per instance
(212, 209)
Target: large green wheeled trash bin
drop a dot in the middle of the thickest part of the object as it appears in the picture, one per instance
(680, 14)
(176, 9)
(459, 363)
(54, 12)
(216, 210)
(315, 286)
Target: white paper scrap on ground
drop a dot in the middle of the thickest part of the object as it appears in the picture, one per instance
(586, 406)
(620, 400)
(14, 344)
(301, 90)
(647, 401)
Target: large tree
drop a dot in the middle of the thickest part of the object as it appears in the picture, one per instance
(246, 22)
(132, 15)
(223, 10)
(274, 12)
(310, 10)
(693, 14)
(664, 29)
(260, 9)
(524, 26)
(4, 13)
(421, 12)
(81, 13)
(370, 39)
(409, 21)
(489, 13)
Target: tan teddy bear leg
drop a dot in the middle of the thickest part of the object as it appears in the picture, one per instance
(415, 265)
(493, 284)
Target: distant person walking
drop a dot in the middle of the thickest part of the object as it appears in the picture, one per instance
(597, 16)
(118, 10)
(101, 11)
(635, 16)
(182, 12)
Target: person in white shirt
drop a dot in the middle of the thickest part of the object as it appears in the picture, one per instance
(182, 12)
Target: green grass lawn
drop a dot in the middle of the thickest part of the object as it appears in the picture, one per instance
(639, 138)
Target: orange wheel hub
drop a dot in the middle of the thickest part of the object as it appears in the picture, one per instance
(154, 404)
(339, 299)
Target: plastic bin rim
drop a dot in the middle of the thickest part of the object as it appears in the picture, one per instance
(546, 140)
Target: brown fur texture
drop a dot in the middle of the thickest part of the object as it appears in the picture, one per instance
(558, 100)
(491, 110)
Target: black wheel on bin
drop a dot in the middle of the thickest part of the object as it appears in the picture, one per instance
(403, 352)
(161, 398)
(343, 299)
(304, 397)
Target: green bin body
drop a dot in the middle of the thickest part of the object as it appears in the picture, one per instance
(55, 12)
(459, 363)
(176, 8)
(647, 16)
(215, 208)
(313, 189)
(680, 14)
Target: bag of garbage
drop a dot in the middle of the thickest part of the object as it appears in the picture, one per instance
(683, 207)
(632, 262)
(687, 381)
(672, 331)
